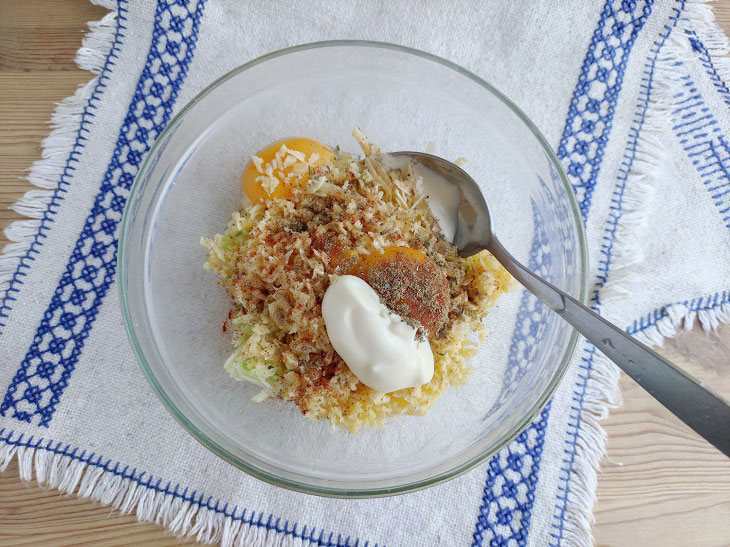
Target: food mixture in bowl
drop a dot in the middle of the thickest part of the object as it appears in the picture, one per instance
(348, 298)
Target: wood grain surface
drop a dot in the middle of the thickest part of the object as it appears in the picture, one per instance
(660, 484)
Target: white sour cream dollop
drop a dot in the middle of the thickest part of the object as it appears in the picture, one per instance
(377, 345)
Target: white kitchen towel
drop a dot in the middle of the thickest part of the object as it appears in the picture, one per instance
(630, 93)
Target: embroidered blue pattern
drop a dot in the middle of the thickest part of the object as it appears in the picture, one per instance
(314, 536)
(69, 168)
(616, 212)
(36, 388)
(701, 138)
(581, 149)
(509, 493)
(592, 107)
(706, 61)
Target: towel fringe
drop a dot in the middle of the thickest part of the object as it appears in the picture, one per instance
(56, 148)
(702, 20)
(183, 517)
(602, 394)
(646, 170)
(681, 317)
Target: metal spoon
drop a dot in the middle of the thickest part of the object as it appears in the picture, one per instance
(700, 408)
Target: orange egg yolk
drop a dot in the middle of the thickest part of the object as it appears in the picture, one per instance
(410, 283)
(389, 255)
(280, 167)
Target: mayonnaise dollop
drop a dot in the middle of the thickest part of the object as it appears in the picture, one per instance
(377, 345)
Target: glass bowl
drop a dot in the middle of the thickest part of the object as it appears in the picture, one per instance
(401, 99)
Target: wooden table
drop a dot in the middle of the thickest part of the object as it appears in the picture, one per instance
(660, 483)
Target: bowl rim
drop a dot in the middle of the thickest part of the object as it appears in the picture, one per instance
(337, 491)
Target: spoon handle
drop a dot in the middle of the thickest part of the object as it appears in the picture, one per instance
(700, 408)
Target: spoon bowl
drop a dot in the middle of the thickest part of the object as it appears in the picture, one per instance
(474, 226)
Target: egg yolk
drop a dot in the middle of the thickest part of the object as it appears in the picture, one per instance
(410, 283)
(281, 166)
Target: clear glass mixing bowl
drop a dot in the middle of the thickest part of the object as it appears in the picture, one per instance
(401, 99)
